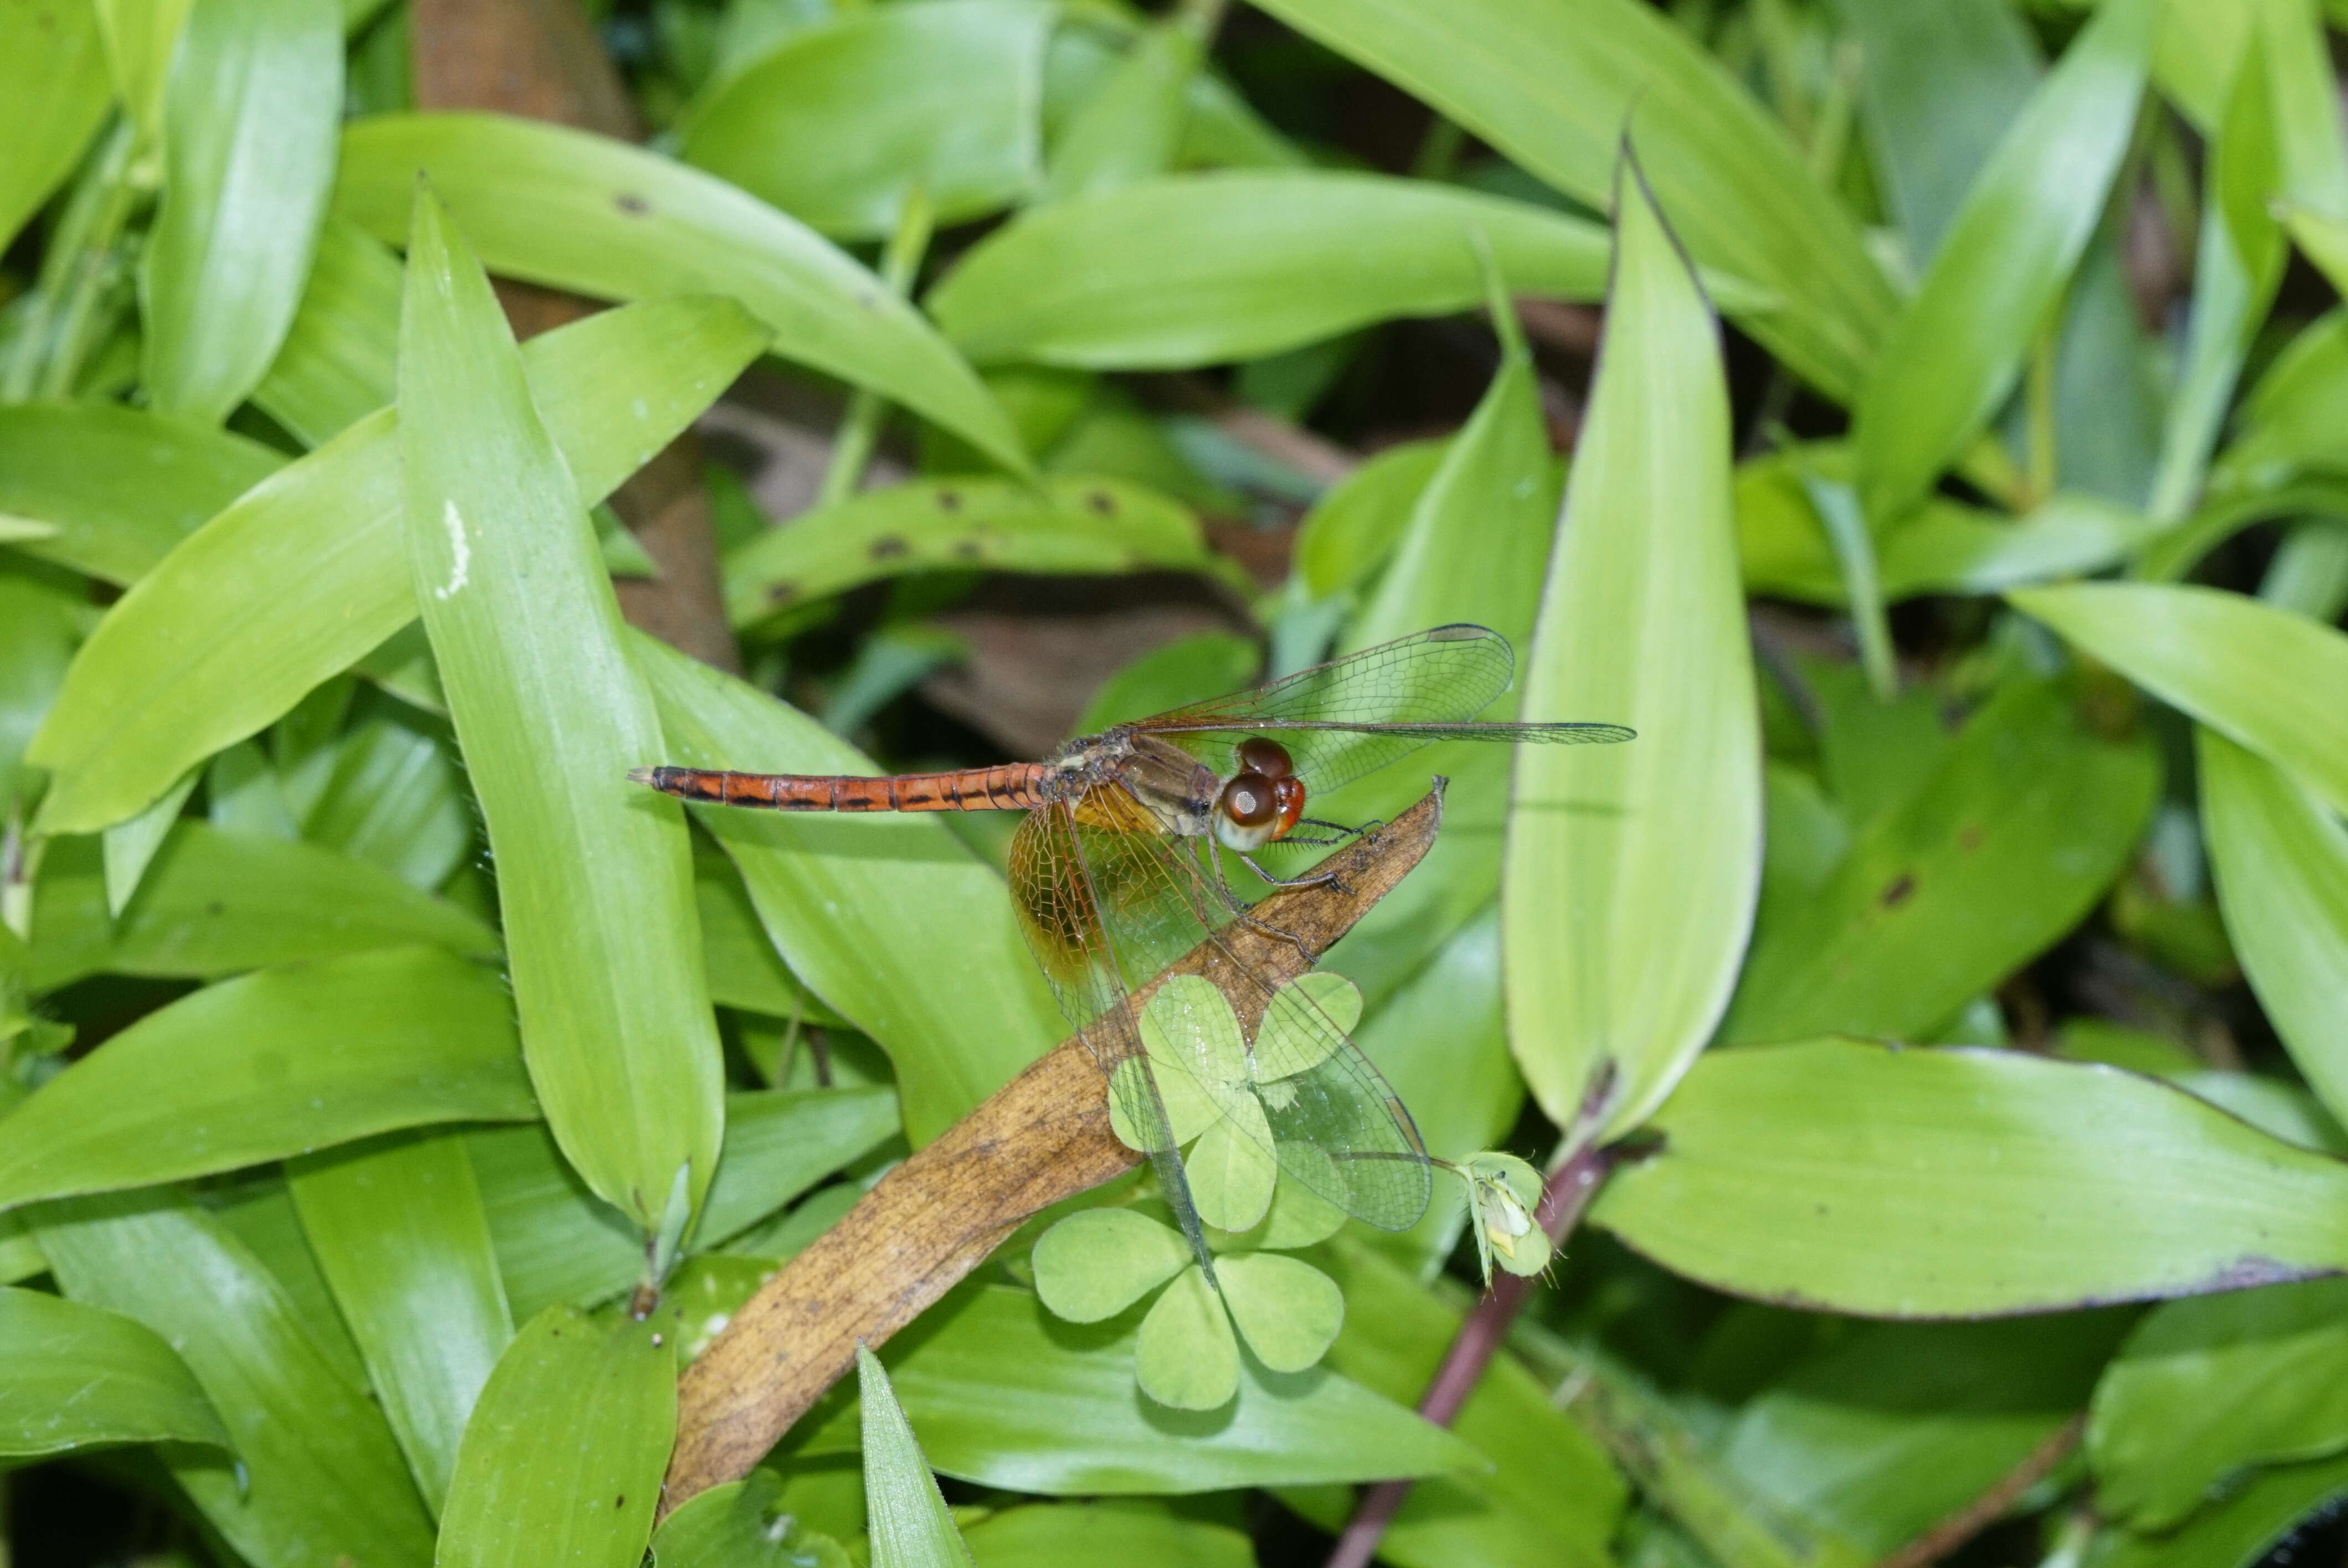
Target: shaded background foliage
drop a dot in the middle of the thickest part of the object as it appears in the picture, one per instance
(987, 371)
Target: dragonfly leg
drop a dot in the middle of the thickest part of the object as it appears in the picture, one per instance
(1241, 911)
(1310, 880)
(1343, 832)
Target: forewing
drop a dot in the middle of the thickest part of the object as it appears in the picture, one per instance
(1346, 717)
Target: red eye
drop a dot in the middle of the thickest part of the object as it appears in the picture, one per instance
(1288, 799)
(1250, 799)
(1269, 758)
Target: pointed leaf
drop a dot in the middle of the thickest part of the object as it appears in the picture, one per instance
(404, 1242)
(2261, 677)
(1631, 870)
(82, 1377)
(301, 578)
(2085, 1183)
(337, 365)
(52, 77)
(910, 1525)
(559, 207)
(588, 1499)
(1131, 127)
(244, 1071)
(601, 943)
(250, 118)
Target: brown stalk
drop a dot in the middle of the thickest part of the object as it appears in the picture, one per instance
(1993, 1504)
(1042, 1138)
(1564, 1195)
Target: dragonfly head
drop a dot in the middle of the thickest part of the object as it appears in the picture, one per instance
(1262, 801)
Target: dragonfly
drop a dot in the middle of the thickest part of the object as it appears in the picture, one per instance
(1116, 873)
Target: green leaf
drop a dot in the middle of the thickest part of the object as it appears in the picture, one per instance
(1184, 1354)
(1882, 1433)
(52, 77)
(2239, 1532)
(1954, 354)
(2208, 1387)
(742, 1524)
(2280, 862)
(1005, 1395)
(595, 874)
(2288, 425)
(745, 970)
(1198, 269)
(1131, 128)
(1354, 528)
(1084, 1534)
(140, 36)
(557, 206)
(82, 1377)
(1631, 870)
(2261, 677)
(1546, 1492)
(315, 1473)
(1172, 675)
(838, 125)
(890, 919)
(556, 1242)
(2085, 1184)
(1065, 523)
(1097, 1262)
(337, 365)
(1995, 855)
(393, 799)
(402, 1237)
(1287, 1310)
(213, 902)
(120, 487)
(910, 1525)
(303, 576)
(128, 848)
(236, 1074)
(1554, 88)
(609, 1390)
(250, 116)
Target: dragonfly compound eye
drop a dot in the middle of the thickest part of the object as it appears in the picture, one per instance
(1269, 758)
(1249, 800)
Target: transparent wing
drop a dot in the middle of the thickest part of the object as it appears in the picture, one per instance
(1356, 714)
(1107, 869)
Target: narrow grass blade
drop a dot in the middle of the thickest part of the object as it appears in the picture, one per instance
(402, 1237)
(250, 118)
(1631, 870)
(1956, 350)
(558, 206)
(82, 1377)
(52, 77)
(585, 1498)
(238, 1074)
(595, 876)
(910, 1527)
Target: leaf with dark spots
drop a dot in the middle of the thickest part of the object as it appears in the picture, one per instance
(888, 546)
(628, 202)
(1897, 894)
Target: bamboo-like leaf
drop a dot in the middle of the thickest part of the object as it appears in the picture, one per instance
(2261, 677)
(250, 116)
(52, 77)
(1131, 128)
(304, 574)
(1632, 870)
(400, 1233)
(251, 1070)
(338, 364)
(838, 125)
(313, 1473)
(2087, 1185)
(557, 206)
(140, 36)
(587, 1498)
(595, 874)
(1955, 351)
(81, 1377)
(742, 1524)
(910, 1525)
(1200, 269)
(1555, 86)
(1067, 523)
(2281, 861)
(890, 919)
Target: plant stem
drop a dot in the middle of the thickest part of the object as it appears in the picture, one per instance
(852, 449)
(1564, 1196)
(75, 271)
(1992, 1506)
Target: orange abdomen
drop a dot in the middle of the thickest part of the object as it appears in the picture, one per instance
(1008, 786)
